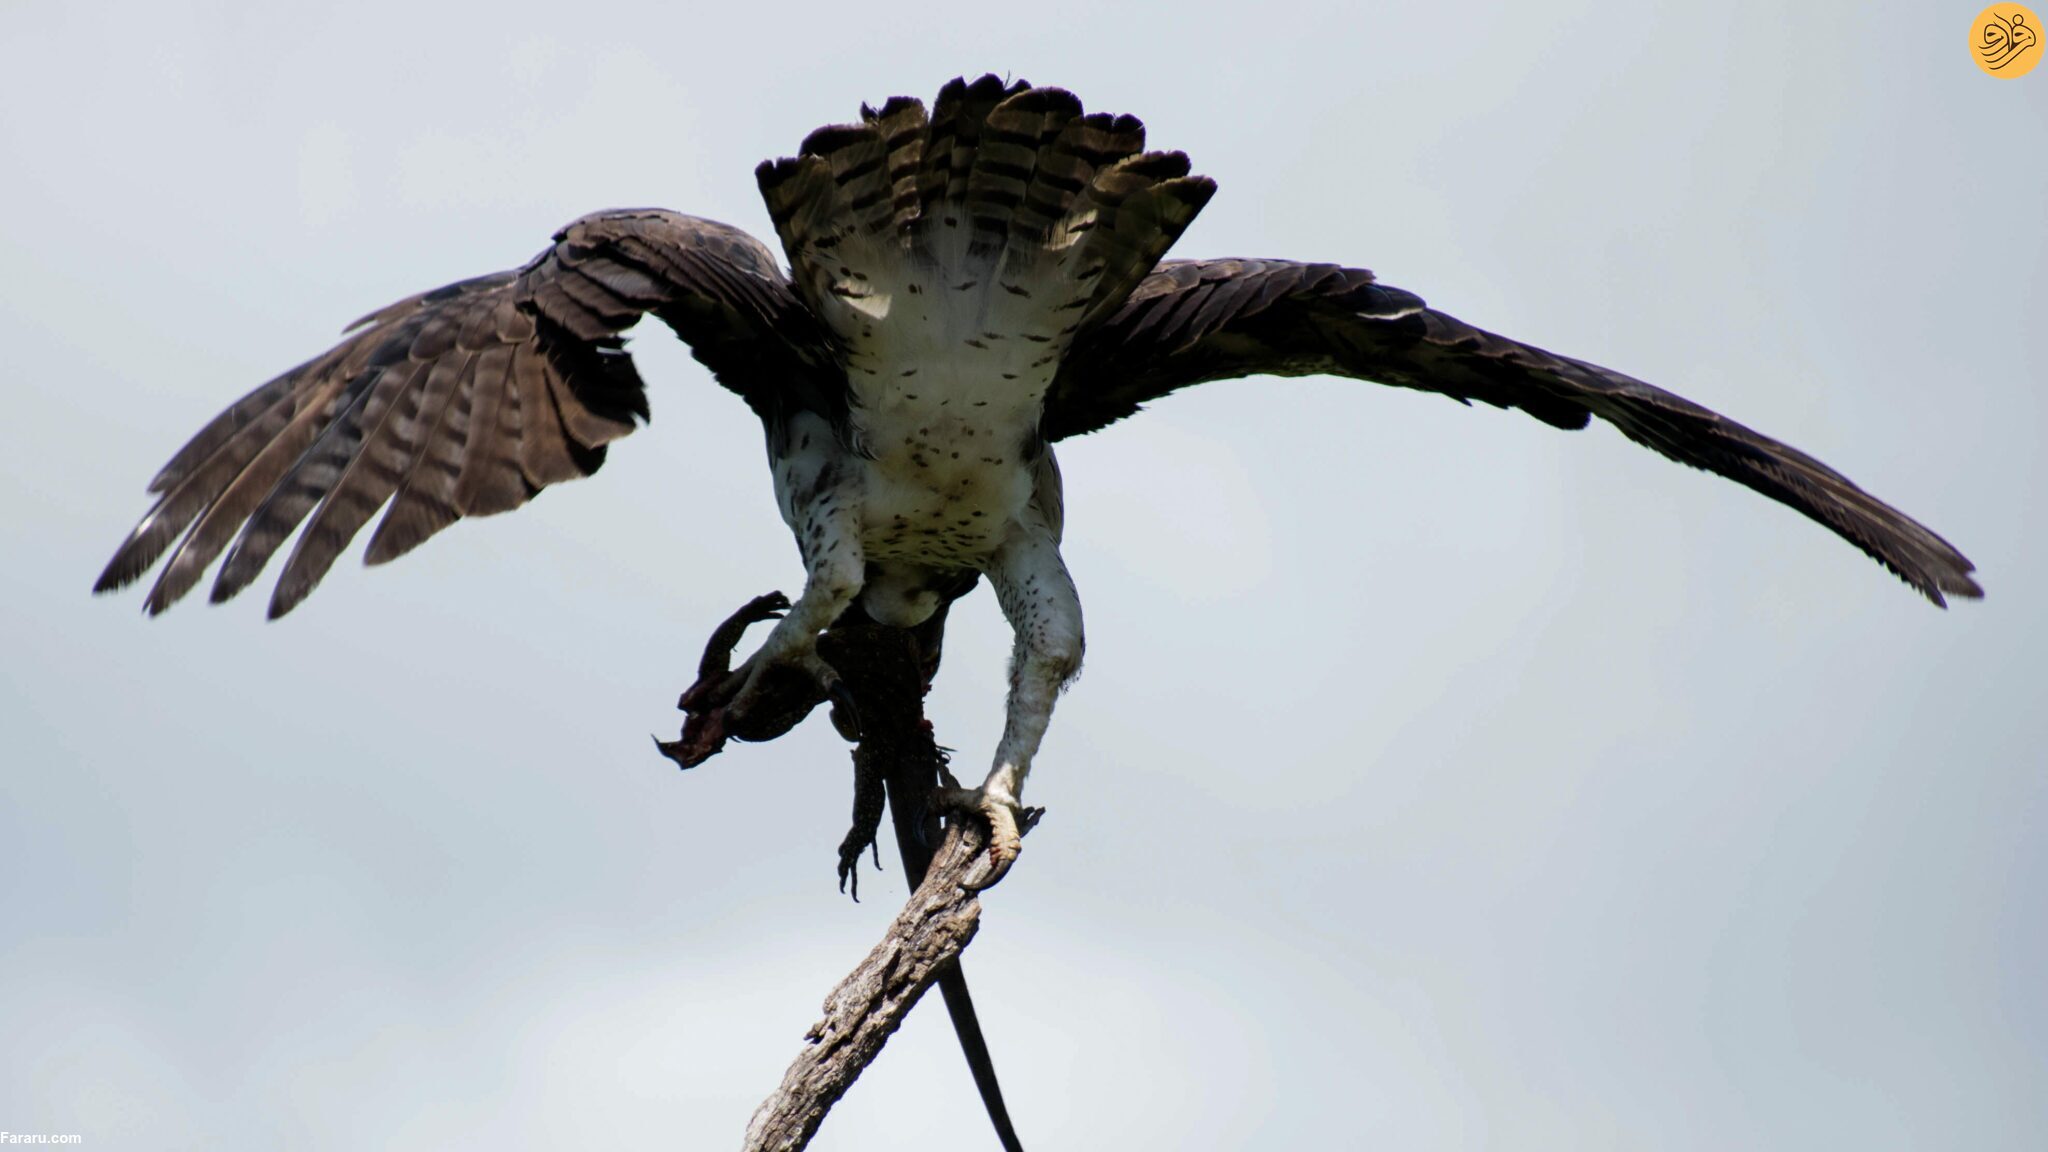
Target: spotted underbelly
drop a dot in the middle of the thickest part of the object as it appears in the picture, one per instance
(934, 509)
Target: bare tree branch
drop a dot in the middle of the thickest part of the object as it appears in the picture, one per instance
(926, 938)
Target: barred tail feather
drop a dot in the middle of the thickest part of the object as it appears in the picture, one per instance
(1133, 213)
(956, 121)
(903, 129)
(1020, 132)
(1000, 183)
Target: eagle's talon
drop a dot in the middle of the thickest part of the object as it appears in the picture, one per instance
(764, 697)
(717, 658)
(1007, 823)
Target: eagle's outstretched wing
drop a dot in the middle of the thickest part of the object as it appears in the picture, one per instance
(1198, 320)
(464, 401)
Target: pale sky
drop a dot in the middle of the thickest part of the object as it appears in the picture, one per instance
(1438, 780)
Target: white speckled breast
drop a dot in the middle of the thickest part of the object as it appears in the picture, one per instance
(948, 369)
(941, 489)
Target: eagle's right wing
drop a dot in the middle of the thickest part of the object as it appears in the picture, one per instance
(1198, 320)
(466, 400)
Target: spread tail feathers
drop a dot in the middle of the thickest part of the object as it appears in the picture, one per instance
(1002, 185)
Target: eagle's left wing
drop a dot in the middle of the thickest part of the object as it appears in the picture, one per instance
(1198, 320)
(466, 401)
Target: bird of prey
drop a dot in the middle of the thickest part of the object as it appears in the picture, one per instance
(968, 285)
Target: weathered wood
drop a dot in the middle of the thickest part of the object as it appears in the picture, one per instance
(926, 937)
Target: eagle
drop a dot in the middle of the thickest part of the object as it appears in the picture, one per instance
(968, 285)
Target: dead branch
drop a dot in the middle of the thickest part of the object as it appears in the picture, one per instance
(926, 937)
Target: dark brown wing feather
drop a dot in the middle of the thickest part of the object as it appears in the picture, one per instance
(464, 401)
(1198, 320)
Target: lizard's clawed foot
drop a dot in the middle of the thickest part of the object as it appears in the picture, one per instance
(760, 700)
(1008, 821)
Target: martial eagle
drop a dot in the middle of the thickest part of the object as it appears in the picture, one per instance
(968, 286)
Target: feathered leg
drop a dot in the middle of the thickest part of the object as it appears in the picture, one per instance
(820, 490)
(1038, 598)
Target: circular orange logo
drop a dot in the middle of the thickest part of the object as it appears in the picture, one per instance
(2005, 40)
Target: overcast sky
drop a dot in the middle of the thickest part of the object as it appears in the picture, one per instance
(1438, 780)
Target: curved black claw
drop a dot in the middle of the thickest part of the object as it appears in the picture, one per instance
(849, 862)
(870, 799)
